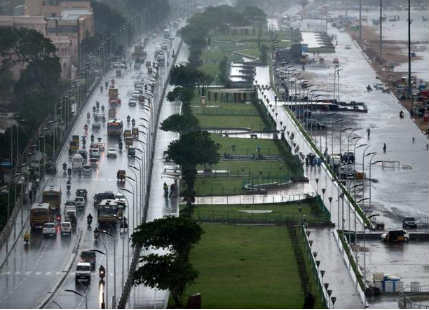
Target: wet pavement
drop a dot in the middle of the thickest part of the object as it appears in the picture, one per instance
(336, 273)
(294, 192)
(159, 205)
(38, 269)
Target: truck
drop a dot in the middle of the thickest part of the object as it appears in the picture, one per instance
(139, 54)
(128, 137)
(114, 95)
(52, 196)
(74, 144)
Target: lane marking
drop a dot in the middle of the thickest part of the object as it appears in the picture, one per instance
(38, 273)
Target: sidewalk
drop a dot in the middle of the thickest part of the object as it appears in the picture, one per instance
(336, 273)
(342, 214)
(159, 206)
(319, 177)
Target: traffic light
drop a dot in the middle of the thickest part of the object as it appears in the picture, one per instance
(101, 272)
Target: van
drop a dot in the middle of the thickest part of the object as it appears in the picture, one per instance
(66, 228)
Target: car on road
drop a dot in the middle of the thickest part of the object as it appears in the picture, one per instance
(88, 256)
(80, 202)
(83, 272)
(66, 228)
(409, 222)
(132, 102)
(112, 153)
(82, 192)
(96, 126)
(49, 230)
(94, 153)
(87, 169)
(396, 236)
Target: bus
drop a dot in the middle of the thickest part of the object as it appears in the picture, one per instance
(52, 196)
(39, 215)
(108, 212)
(114, 128)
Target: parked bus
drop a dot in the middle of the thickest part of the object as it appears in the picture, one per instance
(52, 196)
(114, 128)
(39, 215)
(108, 212)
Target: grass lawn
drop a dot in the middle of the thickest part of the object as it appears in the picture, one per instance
(217, 108)
(259, 171)
(245, 146)
(246, 267)
(224, 121)
(283, 212)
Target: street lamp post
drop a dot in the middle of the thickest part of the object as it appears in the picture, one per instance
(341, 131)
(370, 182)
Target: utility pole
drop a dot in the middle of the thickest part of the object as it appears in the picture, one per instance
(360, 21)
(381, 30)
(410, 92)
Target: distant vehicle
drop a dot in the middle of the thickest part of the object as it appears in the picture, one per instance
(109, 213)
(80, 202)
(395, 236)
(348, 47)
(39, 215)
(100, 196)
(114, 127)
(87, 169)
(87, 256)
(49, 230)
(131, 152)
(70, 212)
(83, 272)
(81, 192)
(96, 126)
(52, 196)
(77, 161)
(132, 102)
(112, 153)
(93, 161)
(348, 157)
(409, 222)
(66, 228)
(94, 152)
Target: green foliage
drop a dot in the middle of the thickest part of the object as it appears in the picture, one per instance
(193, 148)
(180, 123)
(171, 271)
(187, 76)
(166, 272)
(224, 70)
(264, 54)
(21, 45)
(39, 85)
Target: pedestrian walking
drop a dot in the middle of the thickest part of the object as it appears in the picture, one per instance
(368, 132)
(413, 140)
(427, 147)
(384, 148)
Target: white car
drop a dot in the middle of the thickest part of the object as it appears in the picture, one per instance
(112, 153)
(83, 272)
(66, 228)
(94, 153)
(87, 170)
(49, 229)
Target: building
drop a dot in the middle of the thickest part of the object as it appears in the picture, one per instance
(65, 22)
(54, 8)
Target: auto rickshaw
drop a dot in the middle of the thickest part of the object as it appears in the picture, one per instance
(135, 132)
(120, 176)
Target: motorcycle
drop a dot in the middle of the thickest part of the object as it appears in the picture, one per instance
(26, 238)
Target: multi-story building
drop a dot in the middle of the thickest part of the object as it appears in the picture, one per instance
(65, 22)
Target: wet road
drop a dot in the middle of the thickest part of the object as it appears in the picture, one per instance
(38, 268)
(401, 191)
(159, 206)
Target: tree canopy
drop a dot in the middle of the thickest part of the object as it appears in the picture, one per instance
(193, 148)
